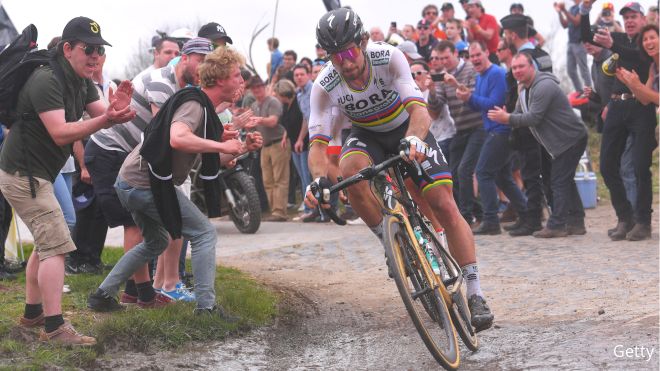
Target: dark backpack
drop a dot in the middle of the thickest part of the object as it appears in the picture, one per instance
(17, 62)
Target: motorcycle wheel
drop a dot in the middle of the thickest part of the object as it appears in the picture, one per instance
(246, 215)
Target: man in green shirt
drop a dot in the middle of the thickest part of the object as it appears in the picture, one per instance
(49, 107)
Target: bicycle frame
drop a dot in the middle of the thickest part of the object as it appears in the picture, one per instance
(401, 208)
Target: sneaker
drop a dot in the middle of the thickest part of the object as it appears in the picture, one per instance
(12, 267)
(620, 231)
(482, 318)
(89, 268)
(66, 335)
(525, 229)
(487, 229)
(71, 267)
(310, 217)
(100, 301)
(275, 218)
(576, 230)
(551, 233)
(217, 311)
(639, 232)
(127, 299)
(302, 217)
(38, 321)
(158, 301)
(6, 276)
(180, 293)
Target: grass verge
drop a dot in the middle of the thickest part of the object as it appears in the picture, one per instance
(170, 328)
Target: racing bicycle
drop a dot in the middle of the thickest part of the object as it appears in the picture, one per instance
(427, 276)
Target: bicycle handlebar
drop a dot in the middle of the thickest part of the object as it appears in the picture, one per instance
(366, 174)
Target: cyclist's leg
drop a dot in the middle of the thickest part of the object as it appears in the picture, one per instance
(360, 151)
(459, 236)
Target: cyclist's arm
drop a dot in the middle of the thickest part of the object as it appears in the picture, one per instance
(320, 130)
(411, 96)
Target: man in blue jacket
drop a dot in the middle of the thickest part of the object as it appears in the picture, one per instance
(494, 165)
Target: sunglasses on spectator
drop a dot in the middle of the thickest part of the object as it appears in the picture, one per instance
(90, 49)
(431, 13)
(351, 54)
(418, 73)
(422, 27)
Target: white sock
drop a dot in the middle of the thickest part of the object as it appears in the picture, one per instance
(471, 276)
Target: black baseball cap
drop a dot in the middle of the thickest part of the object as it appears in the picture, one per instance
(517, 6)
(513, 21)
(85, 30)
(634, 6)
(214, 31)
(447, 6)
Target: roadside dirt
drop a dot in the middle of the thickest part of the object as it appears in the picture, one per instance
(571, 303)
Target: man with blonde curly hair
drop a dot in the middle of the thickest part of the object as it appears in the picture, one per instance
(185, 127)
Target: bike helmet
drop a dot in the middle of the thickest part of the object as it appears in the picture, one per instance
(338, 28)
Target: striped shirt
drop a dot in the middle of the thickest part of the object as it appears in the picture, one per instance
(150, 86)
(464, 117)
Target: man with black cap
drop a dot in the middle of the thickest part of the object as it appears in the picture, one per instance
(535, 167)
(625, 115)
(50, 106)
(216, 33)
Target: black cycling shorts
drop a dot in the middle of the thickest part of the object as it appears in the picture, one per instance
(378, 146)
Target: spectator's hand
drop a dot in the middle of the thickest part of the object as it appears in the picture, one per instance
(118, 116)
(222, 106)
(229, 133)
(283, 142)
(603, 37)
(298, 146)
(557, 7)
(463, 93)
(238, 94)
(472, 22)
(233, 147)
(499, 114)
(629, 78)
(588, 92)
(450, 80)
(231, 164)
(428, 83)
(242, 120)
(122, 96)
(84, 176)
(254, 141)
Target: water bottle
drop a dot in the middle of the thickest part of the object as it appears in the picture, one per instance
(610, 65)
(427, 249)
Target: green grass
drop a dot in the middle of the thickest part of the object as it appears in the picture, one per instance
(171, 328)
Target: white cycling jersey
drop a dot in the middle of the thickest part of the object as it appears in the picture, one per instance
(379, 107)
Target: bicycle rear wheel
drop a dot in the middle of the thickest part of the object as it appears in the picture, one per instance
(419, 297)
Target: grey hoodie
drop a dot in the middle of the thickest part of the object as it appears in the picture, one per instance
(548, 115)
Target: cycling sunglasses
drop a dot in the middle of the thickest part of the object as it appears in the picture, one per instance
(351, 54)
(90, 49)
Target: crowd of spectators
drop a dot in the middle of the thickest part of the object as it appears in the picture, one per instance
(508, 132)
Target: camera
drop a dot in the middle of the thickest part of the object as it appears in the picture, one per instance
(438, 77)
(606, 13)
(393, 24)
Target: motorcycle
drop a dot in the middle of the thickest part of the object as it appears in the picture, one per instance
(241, 200)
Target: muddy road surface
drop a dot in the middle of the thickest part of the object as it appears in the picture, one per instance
(576, 303)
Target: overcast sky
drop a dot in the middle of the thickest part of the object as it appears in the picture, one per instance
(123, 23)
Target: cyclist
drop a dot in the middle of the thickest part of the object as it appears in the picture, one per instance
(371, 85)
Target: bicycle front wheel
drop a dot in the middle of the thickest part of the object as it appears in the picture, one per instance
(424, 304)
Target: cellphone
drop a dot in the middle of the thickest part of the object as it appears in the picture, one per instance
(438, 77)
(393, 24)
